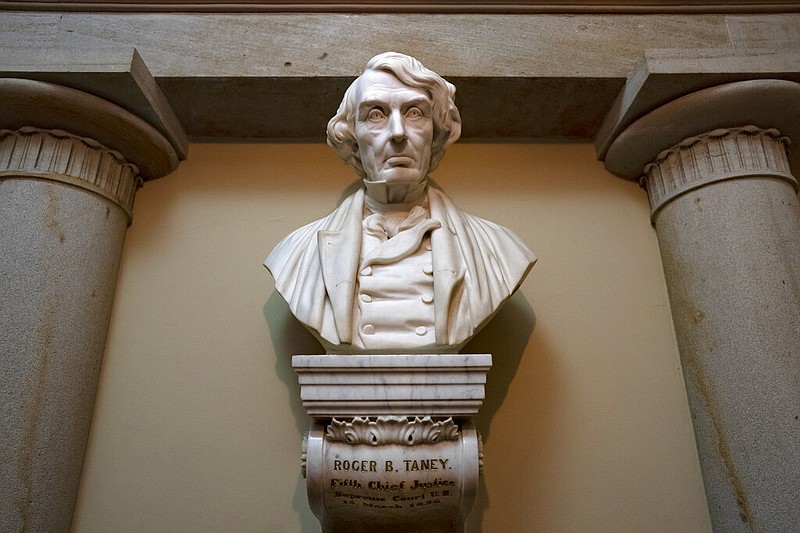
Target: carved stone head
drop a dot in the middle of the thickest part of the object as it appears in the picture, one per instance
(440, 93)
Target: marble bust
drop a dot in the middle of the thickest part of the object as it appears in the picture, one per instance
(396, 267)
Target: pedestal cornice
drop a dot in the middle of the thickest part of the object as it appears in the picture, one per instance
(373, 385)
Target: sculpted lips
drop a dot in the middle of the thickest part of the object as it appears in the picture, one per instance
(400, 161)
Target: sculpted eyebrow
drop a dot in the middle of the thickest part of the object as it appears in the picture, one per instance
(421, 101)
(377, 102)
(370, 103)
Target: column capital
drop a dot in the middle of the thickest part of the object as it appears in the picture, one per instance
(410, 384)
(730, 131)
(766, 104)
(672, 95)
(56, 155)
(48, 106)
(717, 155)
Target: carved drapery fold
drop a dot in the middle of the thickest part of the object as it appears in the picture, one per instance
(718, 155)
(60, 156)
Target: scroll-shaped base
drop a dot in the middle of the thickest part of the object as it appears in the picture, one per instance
(392, 486)
(392, 447)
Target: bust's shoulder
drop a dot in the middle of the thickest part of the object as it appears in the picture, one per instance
(303, 240)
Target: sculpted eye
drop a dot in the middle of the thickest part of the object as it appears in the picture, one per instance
(414, 112)
(375, 114)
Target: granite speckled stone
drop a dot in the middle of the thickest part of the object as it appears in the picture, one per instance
(61, 248)
(70, 164)
(724, 204)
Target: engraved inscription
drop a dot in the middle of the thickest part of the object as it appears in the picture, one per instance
(394, 463)
(425, 464)
(355, 466)
(393, 476)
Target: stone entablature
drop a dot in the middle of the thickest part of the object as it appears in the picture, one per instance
(223, 86)
(434, 6)
(408, 384)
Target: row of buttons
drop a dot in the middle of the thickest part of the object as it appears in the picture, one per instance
(367, 270)
(369, 329)
(426, 298)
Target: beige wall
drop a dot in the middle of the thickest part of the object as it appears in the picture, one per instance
(198, 422)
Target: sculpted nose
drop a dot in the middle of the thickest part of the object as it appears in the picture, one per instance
(397, 127)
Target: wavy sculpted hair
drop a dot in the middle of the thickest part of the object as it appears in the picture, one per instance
(446, 118)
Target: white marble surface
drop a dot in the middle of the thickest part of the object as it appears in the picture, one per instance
(401, 384)
(429, 486)
(397, 266)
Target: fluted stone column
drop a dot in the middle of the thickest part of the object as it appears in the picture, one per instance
(724, 205)
(67, 182)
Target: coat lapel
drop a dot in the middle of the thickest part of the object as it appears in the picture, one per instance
(448, 268)
(339, 253)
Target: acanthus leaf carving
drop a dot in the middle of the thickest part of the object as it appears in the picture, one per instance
(386, 430)
(304, 455)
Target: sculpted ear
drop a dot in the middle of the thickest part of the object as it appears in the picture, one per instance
(355, 161)
(455, 131)
(445, 138)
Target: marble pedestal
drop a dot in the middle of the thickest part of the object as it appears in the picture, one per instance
(392, 446)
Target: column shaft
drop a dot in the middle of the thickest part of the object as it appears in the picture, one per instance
(728, 223)
(64, 206)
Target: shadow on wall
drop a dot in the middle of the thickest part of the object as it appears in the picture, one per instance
(290, 337)
(505, 337)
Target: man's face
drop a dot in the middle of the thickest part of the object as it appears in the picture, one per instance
(394, 129)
